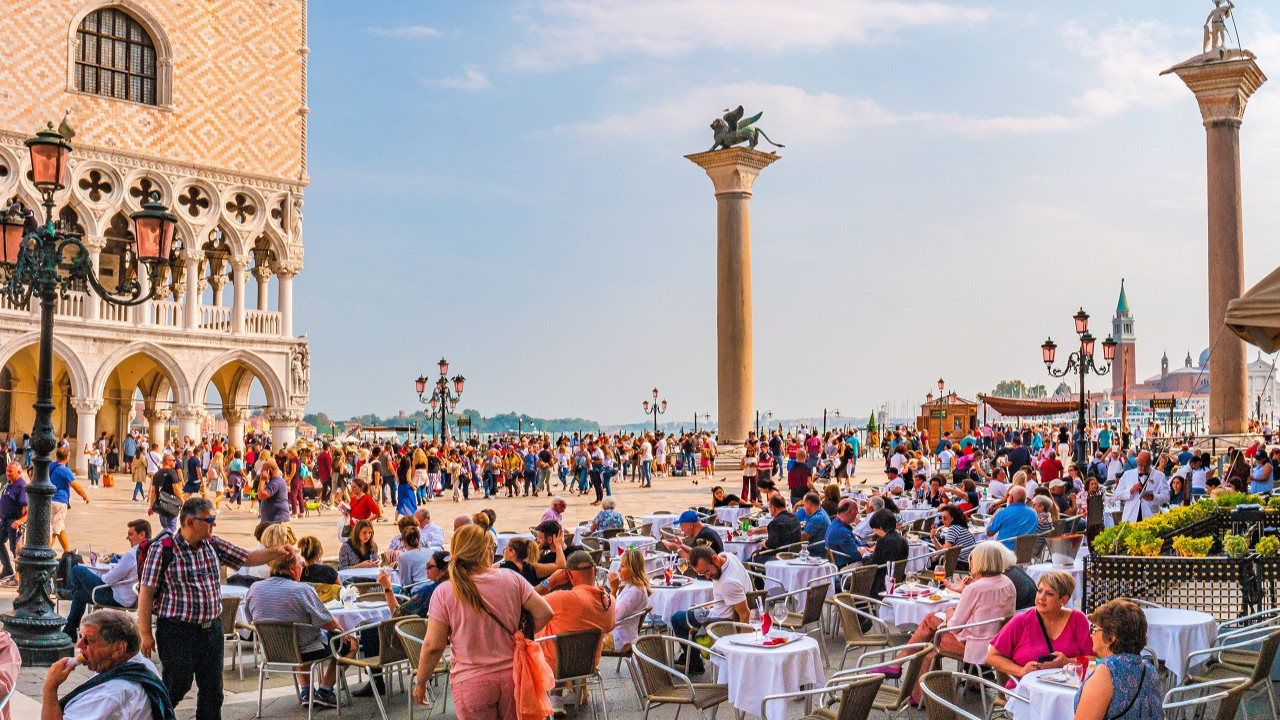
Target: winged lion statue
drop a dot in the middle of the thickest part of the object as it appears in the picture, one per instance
(731, 129)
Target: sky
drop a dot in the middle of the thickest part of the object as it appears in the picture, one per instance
(502, 184)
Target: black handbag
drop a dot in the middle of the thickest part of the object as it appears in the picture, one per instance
(167, 504)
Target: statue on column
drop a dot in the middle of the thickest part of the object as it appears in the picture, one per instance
(731, 129)
(1215, 26)
(300, 369)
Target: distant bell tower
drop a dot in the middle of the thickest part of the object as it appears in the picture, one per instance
(1126, 343)
(1164, 365)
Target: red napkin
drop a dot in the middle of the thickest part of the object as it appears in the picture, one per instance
(765, 623)
(775, 641)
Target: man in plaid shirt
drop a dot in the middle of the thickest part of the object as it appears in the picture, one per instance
(186, 597)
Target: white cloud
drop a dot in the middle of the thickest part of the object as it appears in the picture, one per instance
(572, 32)
(411, 32)
(472, 79)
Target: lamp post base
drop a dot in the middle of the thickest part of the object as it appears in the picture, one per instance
(40, 640)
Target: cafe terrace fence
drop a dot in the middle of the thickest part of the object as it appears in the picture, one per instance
(1221, 586)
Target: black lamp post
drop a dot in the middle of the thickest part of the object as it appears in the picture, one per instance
(655, 410)
(706, 418)
(767, 414)
(835, 413)
(1081, 362)
(441, 401)
(41, 260)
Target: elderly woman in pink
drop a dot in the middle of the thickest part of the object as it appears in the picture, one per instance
(989, 599)
(1049, 635)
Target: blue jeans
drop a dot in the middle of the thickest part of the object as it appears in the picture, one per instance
(582, 481)
(691, 463)
(646, 473)
(8, 544)
(168, 523)
(82, 582)
(564, 478)
(138, 492)
(607, 475)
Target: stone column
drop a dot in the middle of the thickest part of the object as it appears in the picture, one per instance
(263, 276)
(156, 422)
(284, 426)
(732, 173)
(238, 266)
(235, 426)
(86, 431)
(95, 246)
(188, 417)
(1222, 83)
(218, 282)
(191, 314)
(142, 312)
(284, 302)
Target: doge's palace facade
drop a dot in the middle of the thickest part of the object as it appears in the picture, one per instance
(205, 103)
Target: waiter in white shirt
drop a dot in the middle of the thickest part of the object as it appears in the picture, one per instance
(1143, 490)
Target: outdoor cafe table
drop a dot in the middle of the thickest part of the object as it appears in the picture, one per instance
(1173, 633)
(1035, 572)
(100, 569)
(624, 542)
(901, 610)
(652, 562)
(912, 514)
(916, 561)
(729, 514)
(238, 591)
(504, 537)
(755, 672)
(669, 601)
(364, 574)
(657, 522)
(360, 613)
(1048, 700)
(742, 548)
(796, 575)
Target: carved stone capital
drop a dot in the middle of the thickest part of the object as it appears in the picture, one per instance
(288, 269)
(218, 281)
(733, 170)
(87, 405)
(186, 412)
(192, 256)
(1222, 87)
(234, 416)
(263, 273)
(284, 416)
(239, 263)
(94, 243)
(154, 416)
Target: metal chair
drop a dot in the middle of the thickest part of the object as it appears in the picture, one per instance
(623, 654)
(367, 587)
(786, 556)
(390, 657)
(947, 557)
(880, 634)
(959, 657)
(575, 652)
(939, 686)
(664, 685)
(892, 700)
(281, 653)
(721, 628)
(612, 533)
(1229, 694)
(854, 695)
(230, 606)
(1024, 546)
(1256, 674)
(809, 619)
(410, 632)
(1142, 603)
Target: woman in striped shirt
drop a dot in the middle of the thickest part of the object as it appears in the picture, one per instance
(954, 532)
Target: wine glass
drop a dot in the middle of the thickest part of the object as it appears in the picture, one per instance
(778, 613)
(939, 574)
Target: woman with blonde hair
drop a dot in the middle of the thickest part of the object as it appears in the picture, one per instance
(476, 612)
(215, 479)
(630, 586)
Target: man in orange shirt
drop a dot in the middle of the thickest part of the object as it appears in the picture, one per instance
(583, 606)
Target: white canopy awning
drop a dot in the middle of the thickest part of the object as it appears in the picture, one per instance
(1255, 316)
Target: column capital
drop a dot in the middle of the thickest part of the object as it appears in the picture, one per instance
(238, 262)
(218, 281)
(153, 415)
(287, 269)
(192, 255)
(94, 243)
(86, 405)
(1222, 86)
(284, 416)
(234, 415)
(733, 170)
(186, 412)
(263, 273)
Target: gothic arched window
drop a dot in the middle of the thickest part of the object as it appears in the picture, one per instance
(116, 57)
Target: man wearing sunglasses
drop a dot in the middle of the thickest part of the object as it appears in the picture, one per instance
(181, 580)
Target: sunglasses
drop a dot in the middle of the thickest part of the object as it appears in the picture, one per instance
(211, 519)
(1094, 628)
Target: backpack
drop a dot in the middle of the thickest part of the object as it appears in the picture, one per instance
(62, 574)
(165, 541)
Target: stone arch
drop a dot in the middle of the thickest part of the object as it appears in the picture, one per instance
(160, 39)
(257, 367)
(80, 385)
(109, 185)
(158, 355)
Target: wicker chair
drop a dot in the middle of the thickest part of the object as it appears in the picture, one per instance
(576, 661)
(809, 620)
(623, 654)
(391, 656)
(612, 533)
(947, 557)
(281, 653)
(410, 632)
(1024, 546)
(939, 687)
(1257, 675)
(721, 628)
(892, 700)
(853, 610)
(786, 556)
(664, 685)
(854, 693)
(230, 634)
(367, 587)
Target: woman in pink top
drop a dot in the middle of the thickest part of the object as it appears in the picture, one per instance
(477, 611)
(1049, 635)
(989, 596)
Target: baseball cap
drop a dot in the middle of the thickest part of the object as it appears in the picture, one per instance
(579, 560)
(1057, 483)
(688, 516)
(891, 471)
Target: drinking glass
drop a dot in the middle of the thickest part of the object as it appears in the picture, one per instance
(939, 574)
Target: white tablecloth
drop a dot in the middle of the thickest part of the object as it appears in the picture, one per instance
(916, 561)
(653, 561)
(99, 569)
(752, 673)
(366, 574)
(358, 614)
(502, 539)
(240, 592)
(1049, 701)
(909, 611)
(659, 522)
(668, 601)
(1173, 633)
(730, 514)
(913, 514)
(578, 532)
(619, 544)
(796, 576)
(744, 549)
(1035, 572)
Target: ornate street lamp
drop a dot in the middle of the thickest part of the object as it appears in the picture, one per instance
(655, 410)
(441, 400)
(1082, 363)
(41, 260)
